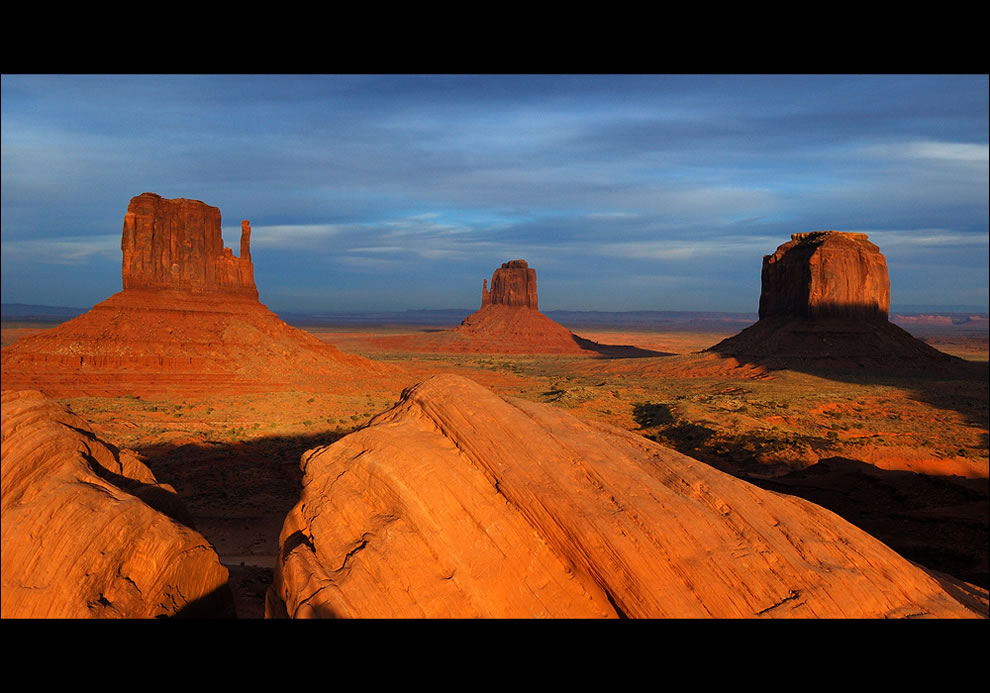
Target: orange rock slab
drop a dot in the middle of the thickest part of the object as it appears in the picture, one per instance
(79, 541)
(459, 503)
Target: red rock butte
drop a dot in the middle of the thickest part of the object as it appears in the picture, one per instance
(188, 321)
(458, 503)
(824, 301)
(177, 245)
(509, 320)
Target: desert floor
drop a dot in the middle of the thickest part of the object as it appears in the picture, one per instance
(905, 458)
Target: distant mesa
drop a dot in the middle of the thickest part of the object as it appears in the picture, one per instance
(824, 302)
(88, 532)
(188, 321)
(458, 503)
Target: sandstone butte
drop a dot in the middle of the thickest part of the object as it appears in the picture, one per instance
(81, 537)
(510, 321)
(459, 503)
(824, 300)
(188, 321)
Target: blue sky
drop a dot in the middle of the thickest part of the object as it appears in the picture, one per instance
(624, 192)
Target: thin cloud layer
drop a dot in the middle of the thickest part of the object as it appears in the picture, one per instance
(387, 192)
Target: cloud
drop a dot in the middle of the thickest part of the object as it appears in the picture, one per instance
(925, 238)
(69, 250)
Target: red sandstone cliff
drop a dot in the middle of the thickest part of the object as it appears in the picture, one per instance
(457, 503)
(188, 321)
(178, 244)
(826, 274)
(513, 284)
(81, 536)
(824, 302)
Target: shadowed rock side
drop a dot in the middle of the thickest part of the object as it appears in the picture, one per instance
(459, 503)
(824, 303)
(187, 322)
(80, 537)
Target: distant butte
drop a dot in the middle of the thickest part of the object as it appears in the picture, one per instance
(188, 321)
(509, 319)
(824, 303)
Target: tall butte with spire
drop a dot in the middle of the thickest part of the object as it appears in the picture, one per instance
(509, 319)
(824, 302)
(188, 321)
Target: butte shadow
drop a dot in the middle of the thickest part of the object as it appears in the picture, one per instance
(510, 322)
(187, 322)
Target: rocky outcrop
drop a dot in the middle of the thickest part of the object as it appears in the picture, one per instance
(178, 245)
(826, 274)
(188, 322)
(824, 303)
(459, 503)
(509, 320)
(82, 537)
(513, 284)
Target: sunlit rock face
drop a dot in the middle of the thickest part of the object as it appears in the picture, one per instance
(509, 320)
(188, 321)
(88, 532)
(459, 503)
(178, 244)
(826, 274)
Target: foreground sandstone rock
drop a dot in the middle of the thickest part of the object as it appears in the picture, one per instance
(459, 503)
(81, 538)
(188, 322)
(824, 302)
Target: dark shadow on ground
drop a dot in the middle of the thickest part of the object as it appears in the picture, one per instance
(940, 522)
(237, 495)
(868, 353)
(615, 351)
(217, 604)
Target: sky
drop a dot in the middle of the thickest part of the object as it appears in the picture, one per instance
(396, 192)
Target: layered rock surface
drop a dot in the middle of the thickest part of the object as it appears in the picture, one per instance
(177, 244)
(824, 300)
(188, 321)
(82, 537)
(459, 503)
